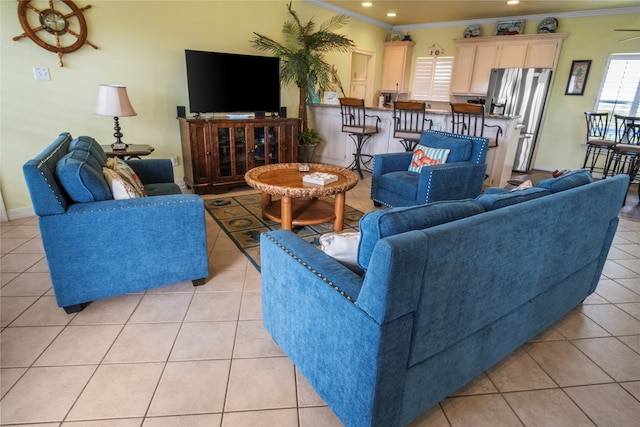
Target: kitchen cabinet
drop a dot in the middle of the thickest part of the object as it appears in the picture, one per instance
(396, 66)
(218, 152)
(476, 56)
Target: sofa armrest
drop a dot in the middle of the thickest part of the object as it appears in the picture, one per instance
(385, 163)
(451, 181)
(152, 171)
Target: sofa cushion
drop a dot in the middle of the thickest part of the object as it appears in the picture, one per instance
(86, 143)
(424, 156)
(459, 145)
(81, 177)
(569, 180)
(123, 181)
(500, 200)
(162, 189)
(379, 224)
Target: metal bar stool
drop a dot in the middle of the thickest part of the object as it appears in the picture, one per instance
(409, 122)
(625, 156)
(356, 122)
(597, 142)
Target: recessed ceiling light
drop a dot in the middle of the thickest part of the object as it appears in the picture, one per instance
(367, 4)
(513, 2)
(391, 14)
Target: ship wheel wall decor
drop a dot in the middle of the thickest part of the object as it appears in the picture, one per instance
(59, 28)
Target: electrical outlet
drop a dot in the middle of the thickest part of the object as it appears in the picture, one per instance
(175, 161)
(41, 73)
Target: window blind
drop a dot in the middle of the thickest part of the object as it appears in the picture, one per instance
(620, 87)
(432, 78)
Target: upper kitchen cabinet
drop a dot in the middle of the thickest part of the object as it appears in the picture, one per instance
(476, 56)
(396, 66)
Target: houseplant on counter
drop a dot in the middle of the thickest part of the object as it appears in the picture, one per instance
(302, 59)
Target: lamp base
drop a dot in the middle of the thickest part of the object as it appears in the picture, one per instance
(117, 146)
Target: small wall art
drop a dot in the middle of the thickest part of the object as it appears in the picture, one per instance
(509, 27)
(578, 77)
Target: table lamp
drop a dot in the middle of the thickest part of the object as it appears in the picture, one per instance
(113, 101)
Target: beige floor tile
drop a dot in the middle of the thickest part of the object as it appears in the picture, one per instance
(276, 417)
(576, 325)
(182, 287)
(205, 420)
(8, 245)
(204, 340)
(631, 284)
(39, 267)
(22, 232)
(566, 365)
(143, 343)
(559, 410)
(7, 277)
(22, 346)
(253, 280)
(27, 285)
(253, 340)
(8, 377)
(479, 385)
(44, 394)
(122, 422)
(12, 307)
(613, 270)
(318, 417)
(633, 388)
(489, 410)
(44, 311)
(117, 391)
(228, 260)
(32, 246)
(158, 308)
(615, 358)
(549, 334)
(633, 308)
(613, 319)
(518, 371)
(630, 264)
(214, 306)
(607, 404)
(114, 310)
(18, 263)
(191, 388)
(229, 280)
(632, 341)
(594, 298)
(616, 293)
(432, 418)
(251, 305)
(257, 384)
(307, 396)
(80, 345)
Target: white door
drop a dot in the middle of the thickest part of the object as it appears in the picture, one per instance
(361, 76)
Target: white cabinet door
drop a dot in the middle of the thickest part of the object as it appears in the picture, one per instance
(463, 68)
(396, 66)
(485, 60)
(512, 55)
(542, 54)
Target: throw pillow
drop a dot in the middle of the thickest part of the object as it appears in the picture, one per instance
(567, 180)
(123, 181)
(501, 200)
(343, 247)
(424, 156)
(81, 177)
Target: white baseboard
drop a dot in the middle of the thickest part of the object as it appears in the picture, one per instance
(20, 213)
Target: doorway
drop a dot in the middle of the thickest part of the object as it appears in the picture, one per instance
(362, 75)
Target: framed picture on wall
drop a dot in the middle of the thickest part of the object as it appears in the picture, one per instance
(578, 77)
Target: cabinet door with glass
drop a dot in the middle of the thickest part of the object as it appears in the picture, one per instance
(267, 145)
(231, 155)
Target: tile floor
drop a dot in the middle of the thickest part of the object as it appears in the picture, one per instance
(185, 356)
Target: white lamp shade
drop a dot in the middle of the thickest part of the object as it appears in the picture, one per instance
(113, 101)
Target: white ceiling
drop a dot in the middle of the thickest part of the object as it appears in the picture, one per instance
(434, 11)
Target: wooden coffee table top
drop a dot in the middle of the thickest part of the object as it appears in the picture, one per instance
(284, 179)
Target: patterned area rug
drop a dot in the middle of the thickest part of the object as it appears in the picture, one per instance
(241, 218)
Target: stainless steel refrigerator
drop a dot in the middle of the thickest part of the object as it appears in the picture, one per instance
(520, 92)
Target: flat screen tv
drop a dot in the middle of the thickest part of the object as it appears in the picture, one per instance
(227, 82)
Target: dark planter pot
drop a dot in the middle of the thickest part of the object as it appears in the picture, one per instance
(306, 153)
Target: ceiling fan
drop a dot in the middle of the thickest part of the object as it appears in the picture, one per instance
(628, 38)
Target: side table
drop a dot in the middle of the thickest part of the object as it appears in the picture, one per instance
(133, 151)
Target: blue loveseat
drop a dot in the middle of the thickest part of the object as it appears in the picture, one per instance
(97, 247)
(461, 177)
(449, 289)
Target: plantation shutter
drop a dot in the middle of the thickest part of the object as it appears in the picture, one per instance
(620, 88)
(432, 78)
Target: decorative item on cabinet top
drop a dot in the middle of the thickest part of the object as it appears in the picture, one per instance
(472, 31)
(548, 25)
(509, 27)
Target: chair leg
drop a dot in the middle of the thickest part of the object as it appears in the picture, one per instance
(357, 164)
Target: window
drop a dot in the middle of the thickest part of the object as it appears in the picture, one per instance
(432, 78)
(620, 89)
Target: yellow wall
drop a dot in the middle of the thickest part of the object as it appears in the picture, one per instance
(141, 44)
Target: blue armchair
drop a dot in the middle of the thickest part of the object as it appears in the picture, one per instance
(99, 247)
(393, 184)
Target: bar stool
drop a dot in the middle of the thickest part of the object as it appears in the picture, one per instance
(625, 155)
(597, 142)
(409, 122)
(357, 123)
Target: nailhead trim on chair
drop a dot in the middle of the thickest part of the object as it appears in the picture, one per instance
(310, 268)
(42, 162)
(133, 207)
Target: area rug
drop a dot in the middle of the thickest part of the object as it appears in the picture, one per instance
(240, 217)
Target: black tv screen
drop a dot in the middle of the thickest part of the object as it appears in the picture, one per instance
(227, 82)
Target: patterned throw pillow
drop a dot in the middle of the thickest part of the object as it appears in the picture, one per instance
(424, 156)
(123, 181)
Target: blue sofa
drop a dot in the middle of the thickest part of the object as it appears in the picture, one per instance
(449, 289)
(461, 177)
(97, 247)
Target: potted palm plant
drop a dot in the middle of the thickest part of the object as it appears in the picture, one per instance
(302, 61)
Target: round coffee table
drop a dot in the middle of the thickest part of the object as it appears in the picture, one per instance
(299, 204)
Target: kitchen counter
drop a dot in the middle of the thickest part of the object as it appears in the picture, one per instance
(338, 148)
